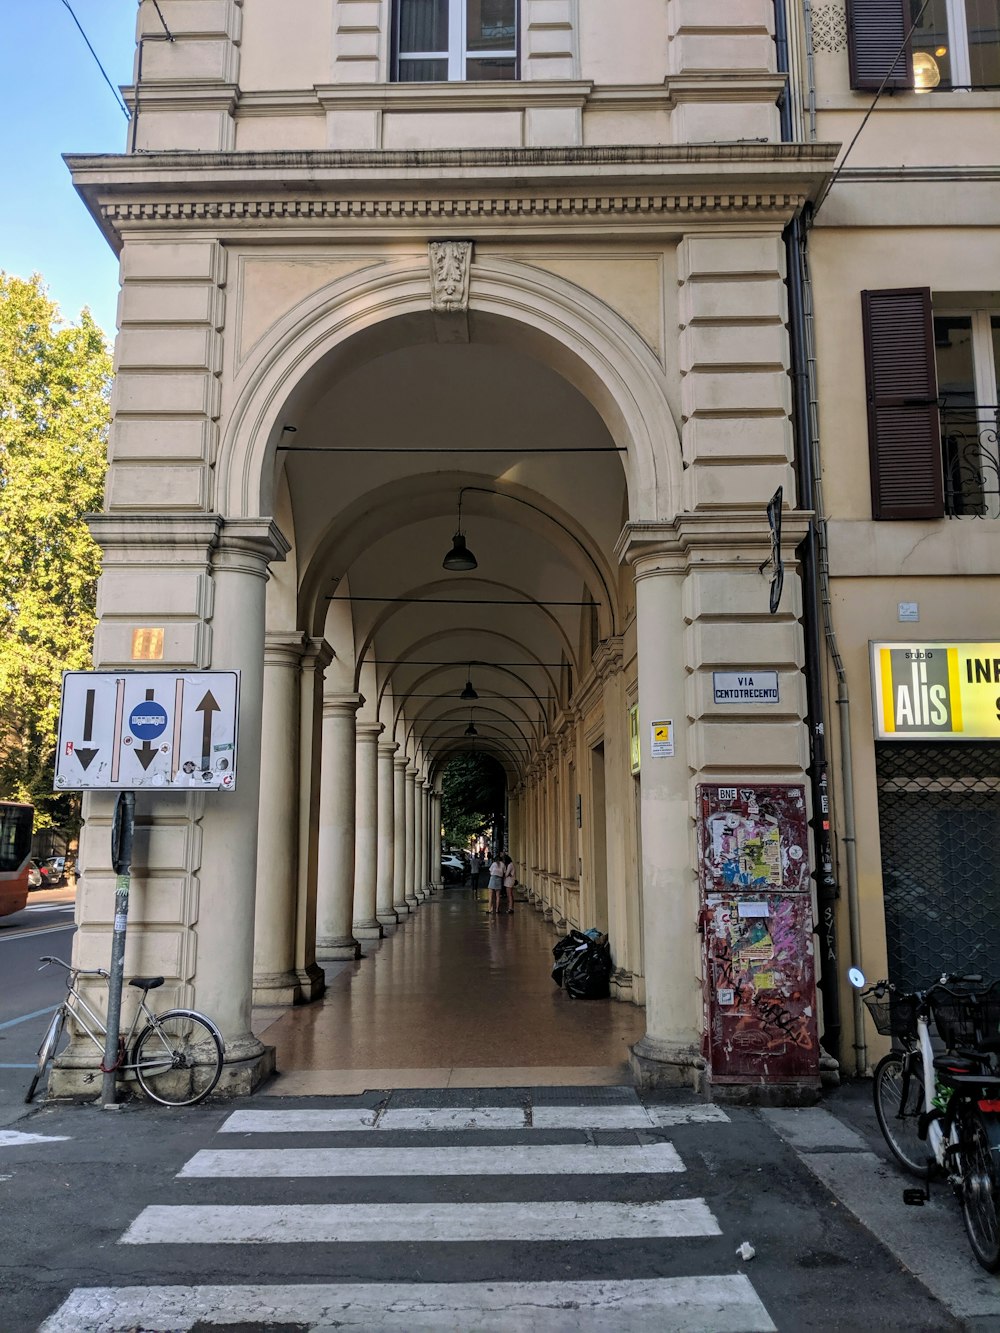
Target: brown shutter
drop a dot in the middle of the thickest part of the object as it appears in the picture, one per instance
(904, 429)
(877, 41)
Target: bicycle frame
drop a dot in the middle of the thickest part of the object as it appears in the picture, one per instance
(75, 1002)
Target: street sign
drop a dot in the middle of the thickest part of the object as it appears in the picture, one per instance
(121, 730)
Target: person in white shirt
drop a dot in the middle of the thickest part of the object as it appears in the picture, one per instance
(497, 872)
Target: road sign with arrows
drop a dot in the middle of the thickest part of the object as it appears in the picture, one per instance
(127, 729)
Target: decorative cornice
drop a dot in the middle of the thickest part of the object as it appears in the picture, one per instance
(608, 657)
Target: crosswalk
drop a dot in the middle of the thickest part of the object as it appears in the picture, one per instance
(542, 1217)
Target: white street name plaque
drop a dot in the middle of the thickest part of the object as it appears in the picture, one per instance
(122, 730)
(745, 687)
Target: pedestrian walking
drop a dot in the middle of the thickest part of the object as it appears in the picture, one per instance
(475, 866)
(509, 881)
(497, 872)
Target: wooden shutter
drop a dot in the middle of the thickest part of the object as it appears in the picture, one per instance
(877, 42)
(904, 428)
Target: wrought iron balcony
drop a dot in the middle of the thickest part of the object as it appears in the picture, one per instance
(971, 461)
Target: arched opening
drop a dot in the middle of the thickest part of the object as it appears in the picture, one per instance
(388, 447)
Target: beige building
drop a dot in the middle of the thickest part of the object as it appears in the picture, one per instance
(517, 270)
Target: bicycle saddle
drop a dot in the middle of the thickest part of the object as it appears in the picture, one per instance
(146, 983)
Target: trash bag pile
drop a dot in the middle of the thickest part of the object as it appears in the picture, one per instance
(583, 965)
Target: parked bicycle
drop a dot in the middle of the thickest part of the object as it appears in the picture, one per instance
(176, 1057)
(940, 1110)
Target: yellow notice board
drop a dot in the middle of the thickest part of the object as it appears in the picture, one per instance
(634, 748)
(936, 691)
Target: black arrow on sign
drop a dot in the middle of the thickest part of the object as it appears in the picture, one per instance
(86, 757)
(146, 753)
(208, 706)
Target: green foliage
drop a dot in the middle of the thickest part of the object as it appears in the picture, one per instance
(472, 797)
(55, 384)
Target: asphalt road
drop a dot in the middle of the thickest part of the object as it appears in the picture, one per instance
(27, 996)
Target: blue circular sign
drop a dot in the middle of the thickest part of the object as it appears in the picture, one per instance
(148, 720)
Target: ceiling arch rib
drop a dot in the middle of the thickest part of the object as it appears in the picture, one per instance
(454, 677)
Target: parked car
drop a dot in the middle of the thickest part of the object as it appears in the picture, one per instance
(453, 869)
(57, 869)
(34, 875)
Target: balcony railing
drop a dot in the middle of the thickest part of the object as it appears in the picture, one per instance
(971, 461)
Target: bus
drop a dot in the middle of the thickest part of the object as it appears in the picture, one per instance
(16, 822)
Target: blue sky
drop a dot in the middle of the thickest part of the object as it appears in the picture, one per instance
(53, 100)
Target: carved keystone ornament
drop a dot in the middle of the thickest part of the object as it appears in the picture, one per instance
(450, 263)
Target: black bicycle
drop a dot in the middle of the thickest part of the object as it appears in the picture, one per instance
(940, 1110)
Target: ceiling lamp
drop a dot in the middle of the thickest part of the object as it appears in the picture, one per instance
(470, 730)
(469, 692)
(926, 72)
(459, 559)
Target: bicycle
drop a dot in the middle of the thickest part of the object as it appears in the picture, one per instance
(176, 1057)
(941, 1111)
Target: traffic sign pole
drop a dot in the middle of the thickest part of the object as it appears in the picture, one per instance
(121, 857)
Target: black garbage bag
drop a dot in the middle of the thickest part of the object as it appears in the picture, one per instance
(588, 973)
(564, 950)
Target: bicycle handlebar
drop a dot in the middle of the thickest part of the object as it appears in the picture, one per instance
(77, 971)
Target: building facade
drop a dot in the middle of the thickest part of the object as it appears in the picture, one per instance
(533, 275)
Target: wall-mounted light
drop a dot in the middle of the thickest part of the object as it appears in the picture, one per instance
(459, 559)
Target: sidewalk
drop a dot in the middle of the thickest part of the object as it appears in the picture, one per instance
(452, 998)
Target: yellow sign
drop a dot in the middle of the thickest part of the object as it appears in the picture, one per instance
(147, 645)
(936, 691)
(634, 749)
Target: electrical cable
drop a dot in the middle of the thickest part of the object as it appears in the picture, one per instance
(114, 91)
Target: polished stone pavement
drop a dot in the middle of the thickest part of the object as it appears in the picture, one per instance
(453, 997)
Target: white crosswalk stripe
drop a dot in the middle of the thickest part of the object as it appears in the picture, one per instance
(579, 1159)
(722, 1304)
(438, 1152)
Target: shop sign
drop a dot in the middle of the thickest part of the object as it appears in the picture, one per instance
(936, 691)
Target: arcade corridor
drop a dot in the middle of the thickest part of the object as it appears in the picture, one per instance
(453, 998)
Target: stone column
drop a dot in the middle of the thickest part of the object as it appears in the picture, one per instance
(424, 873)
(669, 1052)
(317, 657)
(385, 861)
(366, 925)
(274, 976)
(623, 900)
(399, 903)
(228, 872)
(436, 839)
(335, 895)
(411, 840)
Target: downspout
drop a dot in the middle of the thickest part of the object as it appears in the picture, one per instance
(816, 575)
(808, 553)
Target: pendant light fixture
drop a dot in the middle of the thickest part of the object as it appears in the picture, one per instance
(469, 692)
(459, 559)
(470, 730)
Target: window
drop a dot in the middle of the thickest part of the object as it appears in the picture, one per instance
(437, 41)
(931, 370)
(955, 44)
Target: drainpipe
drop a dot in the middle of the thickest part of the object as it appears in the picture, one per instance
(816, 581)
(826, 885)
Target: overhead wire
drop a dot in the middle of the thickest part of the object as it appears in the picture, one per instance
(114, 91)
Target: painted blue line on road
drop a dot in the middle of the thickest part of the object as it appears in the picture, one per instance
(2, 1066)
(13, 1022)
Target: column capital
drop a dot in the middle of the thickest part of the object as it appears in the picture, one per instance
(317, 655)
(411, 771)
(342, 705)
(736, 539)
(401, 762)
(283, 648)
(155, 538)
(609, 656)
(249, 545)
(387, 749)
(369, 732)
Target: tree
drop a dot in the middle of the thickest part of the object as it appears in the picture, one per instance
(55, 384)
(472, 796)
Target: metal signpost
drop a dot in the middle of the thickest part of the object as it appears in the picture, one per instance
(123, 730)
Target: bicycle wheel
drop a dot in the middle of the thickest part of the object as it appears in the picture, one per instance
(178, 1058)
(899, 1123)
(47, 1049)
(980, 1192)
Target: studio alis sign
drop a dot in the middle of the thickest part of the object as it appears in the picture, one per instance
(936, 691)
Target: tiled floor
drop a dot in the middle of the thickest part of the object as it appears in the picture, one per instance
(453, 998)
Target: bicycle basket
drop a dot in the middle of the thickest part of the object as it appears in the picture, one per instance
(893, 1015)
(964, 1020)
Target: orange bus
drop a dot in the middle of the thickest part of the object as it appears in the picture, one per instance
(16, 822)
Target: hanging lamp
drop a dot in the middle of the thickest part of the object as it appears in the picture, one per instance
(459, 559)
